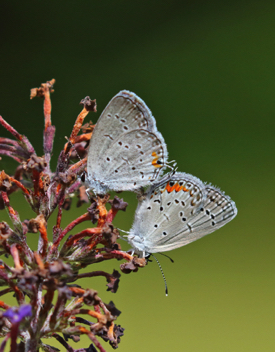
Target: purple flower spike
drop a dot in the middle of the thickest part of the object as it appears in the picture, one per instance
(15, 315)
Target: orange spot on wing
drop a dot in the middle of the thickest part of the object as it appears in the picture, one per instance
(178, 187)
(155, 160)
(170, 188)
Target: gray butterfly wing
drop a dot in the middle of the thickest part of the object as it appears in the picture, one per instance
(125, 137)
(177, 212)
(133, 161)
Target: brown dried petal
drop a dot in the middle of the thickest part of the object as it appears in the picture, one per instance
(25, 225)
(5, 230)
(63, 162)
(5, 183)
(91, 298)
(93, 211)
(68, 177)
(110, 235)
(112, 308)
(75, 338)
(40, 92)
(91, 348)
(118, 331)
(89, 104)
(35, 224)
(82, 196)
(28, 281)
(67, 204)
(58, 268)
(118, 203)
(136, 263)
(113, 282)
(35, 162)
(88, 127)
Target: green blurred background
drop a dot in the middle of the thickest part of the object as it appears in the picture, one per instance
(206, 69)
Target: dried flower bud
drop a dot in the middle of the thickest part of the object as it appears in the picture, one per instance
(94, 211)
(133, 265)
(112, 308)
(87, 127)
(110, 235)
(82, 196)
(59, 268)
(91, 298)
(35, 163)
(5, 183)
(118, 203)
(89, 104)
(67, 203)
(37, 223)
(40, 92)
(67, 178)
(113, 281)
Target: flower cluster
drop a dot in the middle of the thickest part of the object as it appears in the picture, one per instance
(54, 267)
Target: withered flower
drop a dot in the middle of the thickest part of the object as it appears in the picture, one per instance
(54, 267)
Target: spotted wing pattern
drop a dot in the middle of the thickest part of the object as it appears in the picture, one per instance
(178, 211)
(126, 150)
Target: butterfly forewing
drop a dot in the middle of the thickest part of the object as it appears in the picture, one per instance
(139, 154)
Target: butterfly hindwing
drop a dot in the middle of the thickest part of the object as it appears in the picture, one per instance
(179, 211)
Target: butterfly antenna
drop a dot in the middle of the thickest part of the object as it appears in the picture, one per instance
(124, 232)
(172, 168)
(165, 282)
(167, 256)
(73, 147)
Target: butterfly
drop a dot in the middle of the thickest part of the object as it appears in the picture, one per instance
(178, 210)
(126, 150)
